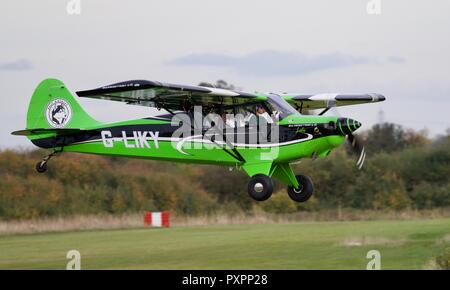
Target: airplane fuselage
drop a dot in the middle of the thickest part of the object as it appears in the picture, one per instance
(153, 138)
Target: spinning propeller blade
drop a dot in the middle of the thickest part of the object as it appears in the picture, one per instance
(355, 144)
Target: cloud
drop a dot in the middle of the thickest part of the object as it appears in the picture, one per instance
(20, 64)
(271, 62)
(396, 59)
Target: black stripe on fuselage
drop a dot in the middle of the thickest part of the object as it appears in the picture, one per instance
(286, 134)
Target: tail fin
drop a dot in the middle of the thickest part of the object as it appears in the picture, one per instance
(52, 106)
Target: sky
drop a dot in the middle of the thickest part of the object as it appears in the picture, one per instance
(279, 46)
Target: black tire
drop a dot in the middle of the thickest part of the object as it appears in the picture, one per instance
(260, 187)
(305, 191)
(41, 167)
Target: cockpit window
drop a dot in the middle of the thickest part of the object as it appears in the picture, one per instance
(270, 111)
(280, 107)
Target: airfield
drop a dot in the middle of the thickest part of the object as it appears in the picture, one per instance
(403, 244)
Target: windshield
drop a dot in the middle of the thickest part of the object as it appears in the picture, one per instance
(274, 109)
(280, 106)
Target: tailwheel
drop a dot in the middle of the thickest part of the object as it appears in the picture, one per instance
(260, 187)
(41, 166)
(304, 191)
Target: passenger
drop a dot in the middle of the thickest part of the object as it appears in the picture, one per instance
(228, 120)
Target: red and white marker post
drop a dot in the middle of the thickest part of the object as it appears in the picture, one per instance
(157, 219)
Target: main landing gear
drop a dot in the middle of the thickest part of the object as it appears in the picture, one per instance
(260, 188)
(41, 166)
(304, 191)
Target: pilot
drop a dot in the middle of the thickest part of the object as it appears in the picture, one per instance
(262, 114)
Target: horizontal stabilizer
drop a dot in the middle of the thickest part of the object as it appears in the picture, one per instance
(28, 132)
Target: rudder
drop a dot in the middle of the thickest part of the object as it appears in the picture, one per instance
(52, 106)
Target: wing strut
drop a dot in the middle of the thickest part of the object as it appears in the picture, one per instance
(236, 154)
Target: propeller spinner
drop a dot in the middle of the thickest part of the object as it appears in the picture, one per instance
(346, 126)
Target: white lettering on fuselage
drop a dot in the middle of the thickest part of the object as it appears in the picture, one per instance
(138, 139)
(107, 139)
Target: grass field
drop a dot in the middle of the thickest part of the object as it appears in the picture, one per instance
(315, 245)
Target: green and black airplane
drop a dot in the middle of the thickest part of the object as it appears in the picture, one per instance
(262, 133)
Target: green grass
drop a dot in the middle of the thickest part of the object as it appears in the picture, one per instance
(316, 245)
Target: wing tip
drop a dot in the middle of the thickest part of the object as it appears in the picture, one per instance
(377, 97)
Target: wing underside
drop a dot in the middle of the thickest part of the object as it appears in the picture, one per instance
(168, 96)
(184, 97)
(322, 101)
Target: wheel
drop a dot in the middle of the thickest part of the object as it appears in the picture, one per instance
(305, 190)
(41, 167)
(260, 187)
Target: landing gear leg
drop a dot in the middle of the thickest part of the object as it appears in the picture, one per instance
(41, 166)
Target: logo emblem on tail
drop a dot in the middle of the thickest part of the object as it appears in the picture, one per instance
(58, 113)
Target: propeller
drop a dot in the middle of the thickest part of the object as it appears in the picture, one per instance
(354, 142)
(357, 147)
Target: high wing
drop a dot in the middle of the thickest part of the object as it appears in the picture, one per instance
(169, 96)
(324, 101)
